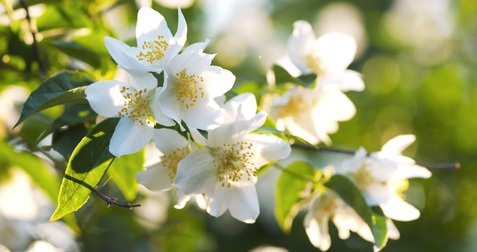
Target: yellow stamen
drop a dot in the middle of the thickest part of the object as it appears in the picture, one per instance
(171, 161)
(234, 162)
(153, 51)
(136, 105)
(187, 88)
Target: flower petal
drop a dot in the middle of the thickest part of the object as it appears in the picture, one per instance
(155, 178)
(398, 209)
(243, 204)
(196, 173)
(300, 45)
(267, 148)
(129, 137)
(105, 97)
(181, 34)
(206, 117)
(124, 55)
(217, 80)
(167, 140)
(151, 24)
(335, 50)
(344, 81)
(141, 79)
(396, 145)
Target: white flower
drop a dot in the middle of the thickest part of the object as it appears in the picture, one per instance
(161, 172)
(382, 177)
(190, 86)
(330, 206)
(136, 103)
(328, 56)
(312, 114)
(224, 171)
(156, 45)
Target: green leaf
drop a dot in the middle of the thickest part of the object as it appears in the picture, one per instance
(291, 186)
(33, 166)
(380, 229)
(282, 77)
(61, 16)
(63, 88)
(88, 164)
(72, 115)
(351, 194)
(77, 51)
(123, 172)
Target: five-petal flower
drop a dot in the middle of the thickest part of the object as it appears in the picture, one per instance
(136, 103)
(330, 206)
(156, 45)
(190, 86)
(382, 177)
(224, 171)
(328, 56)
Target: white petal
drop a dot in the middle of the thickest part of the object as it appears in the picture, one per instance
(247, 104)
(412, 171)
(155, 178)
(129, 137)
(344, 81)
(196, 173)
(377, 194)
(398, 209)
(124, 55)
(393, 232)
(317, 230)
(151, 24)
(105, 97)
(300, 45)
(335, 50)
(182, 199)
(243, 204)
(218, 80)
(140, 80)
(156, 110)
(217, 202)
(267, 148)
(167, 140)
(181, 34)
(396, 145)
(203, 115)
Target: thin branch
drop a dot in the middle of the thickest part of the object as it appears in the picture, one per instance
(451, 165)
(113, 201)
(35, 48)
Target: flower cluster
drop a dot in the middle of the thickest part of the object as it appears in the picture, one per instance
(313, 113)
(223, 170)
(382, 177)
(210, 150)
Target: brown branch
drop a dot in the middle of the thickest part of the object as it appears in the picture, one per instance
(113, 201)
(35, 48)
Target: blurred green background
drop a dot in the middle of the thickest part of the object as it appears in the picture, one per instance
(418, 59)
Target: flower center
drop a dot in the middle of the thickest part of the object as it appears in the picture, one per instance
(187, 90)
(363, 178)
(153, 50)
(296, 105)
(171, 161)
(313, 63)
(234, 162)
(136, 105)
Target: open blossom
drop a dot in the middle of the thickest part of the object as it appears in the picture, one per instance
(190, 86)
(156, 45)
(135, 103)
(161, 172)
(224, 171)
(329, 206)
(382, 177)
(328, 57)
(311, 114)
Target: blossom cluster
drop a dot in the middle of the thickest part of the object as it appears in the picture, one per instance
(220, 168)
(210, 148)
